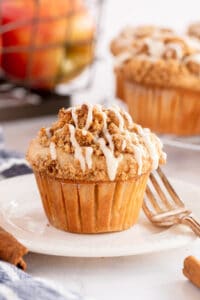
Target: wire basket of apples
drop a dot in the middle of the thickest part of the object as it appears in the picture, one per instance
(46, 42)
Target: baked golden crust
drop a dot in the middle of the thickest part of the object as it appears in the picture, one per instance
(161, 58)
(110, 134)
(162, 73)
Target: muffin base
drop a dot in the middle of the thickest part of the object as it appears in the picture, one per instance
(164, 110)
(119, 84)
(86, 207)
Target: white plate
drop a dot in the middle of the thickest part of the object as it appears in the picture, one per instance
(185, 142)
(22, 215)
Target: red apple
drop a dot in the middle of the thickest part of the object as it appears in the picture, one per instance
(35, 35)
(0, 51)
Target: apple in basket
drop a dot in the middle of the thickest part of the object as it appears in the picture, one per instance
(42, 40)
(0, 50)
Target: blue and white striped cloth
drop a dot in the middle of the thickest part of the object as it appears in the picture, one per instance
(18, 285)
(14, 283)
(11, 162)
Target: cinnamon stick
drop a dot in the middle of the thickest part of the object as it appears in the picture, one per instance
(192, 270)
(11, 250)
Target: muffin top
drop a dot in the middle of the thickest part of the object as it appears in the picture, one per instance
(132, 38)
(93, 143)
(194, 30)
(158, 56)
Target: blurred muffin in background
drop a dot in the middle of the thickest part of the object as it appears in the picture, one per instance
(128, 40)
(194, 30)
(130, 37)
(158, 76)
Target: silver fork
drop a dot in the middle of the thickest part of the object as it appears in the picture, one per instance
(163, 207)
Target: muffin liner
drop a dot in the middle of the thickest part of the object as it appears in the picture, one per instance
(87, 207)
(171, 110)
(119, 83)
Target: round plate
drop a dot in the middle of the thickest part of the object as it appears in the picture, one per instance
(23, 216)
(187, 142)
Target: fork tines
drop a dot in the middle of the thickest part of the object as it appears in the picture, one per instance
(161, 203)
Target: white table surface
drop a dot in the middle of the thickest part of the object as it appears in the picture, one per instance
(154, 276)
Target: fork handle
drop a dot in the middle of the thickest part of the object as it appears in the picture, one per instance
(192, 223)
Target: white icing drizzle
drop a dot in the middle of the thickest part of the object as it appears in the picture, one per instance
(145, 133)
(193, 58)
(48, 132)
(84, 132)
(116, 110)
(146, 57)
(105, 129)
(129, 119)
(138, 150)
(88, 156)
(122, 57)
(84, 155)
(89, 117)
(124, 41)
(156, 48)
(111, 161)
(52, 149)
(177, 48)
(164, 156)
(155, 41)
(192, 42)
(138, 157)
(77, 149)
(123, 145)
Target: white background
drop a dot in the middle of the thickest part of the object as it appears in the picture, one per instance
(119, 13)
(155, 276)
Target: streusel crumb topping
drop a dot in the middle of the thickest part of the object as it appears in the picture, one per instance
(162, 50)
(90, 142)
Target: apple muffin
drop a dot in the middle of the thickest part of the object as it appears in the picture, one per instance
(158, 76)
(91, 167)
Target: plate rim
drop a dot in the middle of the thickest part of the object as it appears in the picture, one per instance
(115, 253)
